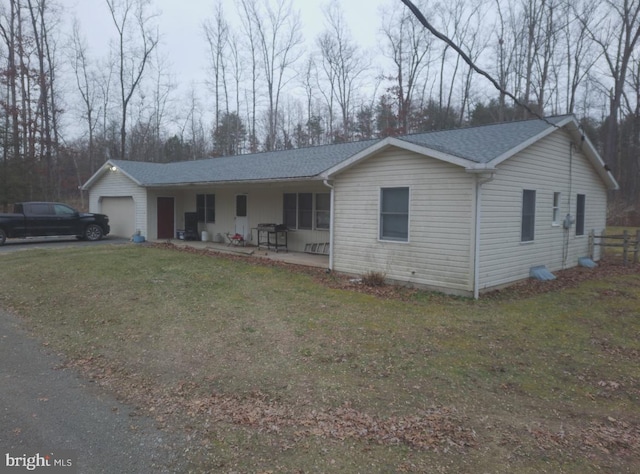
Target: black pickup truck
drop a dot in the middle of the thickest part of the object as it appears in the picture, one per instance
(40, 219)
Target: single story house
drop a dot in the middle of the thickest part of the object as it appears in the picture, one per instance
(460, 211)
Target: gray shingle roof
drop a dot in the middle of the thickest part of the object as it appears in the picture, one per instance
(484, 143)
(288, 164)
(477, 144)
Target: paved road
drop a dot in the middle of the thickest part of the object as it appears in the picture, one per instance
(48, 410)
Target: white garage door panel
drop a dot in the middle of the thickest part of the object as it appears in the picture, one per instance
(122, 215)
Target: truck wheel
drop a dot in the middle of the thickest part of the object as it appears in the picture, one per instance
(3, 236)
(93, 232)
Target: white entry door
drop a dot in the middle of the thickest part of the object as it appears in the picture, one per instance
(242, 219)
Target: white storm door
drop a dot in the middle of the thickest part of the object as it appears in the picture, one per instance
(242, 219)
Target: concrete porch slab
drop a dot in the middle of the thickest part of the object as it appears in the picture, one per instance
(294, 258)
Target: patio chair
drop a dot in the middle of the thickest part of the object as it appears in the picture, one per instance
(235, 239)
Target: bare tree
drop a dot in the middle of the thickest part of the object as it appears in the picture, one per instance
(28, 29)
(464, 19)
(630, 136)
(87, 88)
(37, 14)
(343, 62)
(277, 35)
(162, 89)
(192, 130)
(581, 56)
(409, 47)
(616, 31)
(135, 41)
(328, 86)
(237, 69)
(505, 55)
(11, 135)
(216, 32)
(245, 7)
(423, 20)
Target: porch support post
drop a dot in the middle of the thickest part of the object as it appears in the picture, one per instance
(331, 223)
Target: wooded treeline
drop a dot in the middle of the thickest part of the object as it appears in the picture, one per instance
(64, 110)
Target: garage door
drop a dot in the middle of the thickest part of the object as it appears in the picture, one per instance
(122, 215)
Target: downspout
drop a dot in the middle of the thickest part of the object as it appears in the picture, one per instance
(331, 222)
(567, 221)
(480, 180)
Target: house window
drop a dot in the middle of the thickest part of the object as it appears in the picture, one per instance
(556, 209)
(290, 210)
(528, 215)
(206, 207)
(580, 214)
(305, 211)
(323, 210)
(298, 210)
(394, 214)
(241, 205)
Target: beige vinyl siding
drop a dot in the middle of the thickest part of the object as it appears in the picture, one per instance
(441, 201)
(116, 184)
(543, 167)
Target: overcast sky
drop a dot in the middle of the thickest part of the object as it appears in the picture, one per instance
(180, 23)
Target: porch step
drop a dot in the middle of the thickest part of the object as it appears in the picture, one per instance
(320, 249)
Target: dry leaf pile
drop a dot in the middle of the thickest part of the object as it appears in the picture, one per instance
(609, 436)
(437, 429)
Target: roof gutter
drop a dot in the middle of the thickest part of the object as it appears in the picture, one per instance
(331, 222)
(232, 182)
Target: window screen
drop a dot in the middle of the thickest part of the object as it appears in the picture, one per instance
(305, 211)
(394, 214)
(323, 210)
(528, 215)
(289, 214)
(580, 207)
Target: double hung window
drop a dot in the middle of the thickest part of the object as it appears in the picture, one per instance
(306, 211)
(206, 207)
(580, 208)
(394, 214)
(527, 232)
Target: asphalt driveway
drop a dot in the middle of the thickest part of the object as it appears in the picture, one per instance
(45, 410)
(14, 245)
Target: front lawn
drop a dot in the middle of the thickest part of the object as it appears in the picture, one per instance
(274, 370)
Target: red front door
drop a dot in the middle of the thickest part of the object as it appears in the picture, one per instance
(166, 219)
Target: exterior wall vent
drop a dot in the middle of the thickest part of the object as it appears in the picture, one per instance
(541, 273)
(587, 262)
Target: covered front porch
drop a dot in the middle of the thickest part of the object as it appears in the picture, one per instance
(222, 210)
(290, 257)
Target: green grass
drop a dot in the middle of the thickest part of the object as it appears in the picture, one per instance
(244, 356)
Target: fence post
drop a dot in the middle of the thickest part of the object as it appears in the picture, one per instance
(591, 242)
(637, 247)
(625, 247)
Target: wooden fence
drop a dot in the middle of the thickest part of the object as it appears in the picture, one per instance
(625, 241)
